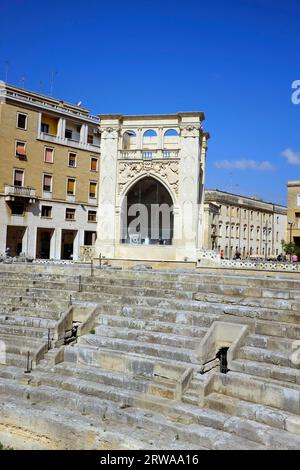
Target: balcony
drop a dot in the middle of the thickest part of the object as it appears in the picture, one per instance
(146, 154)
(15, 192)
(75, 143)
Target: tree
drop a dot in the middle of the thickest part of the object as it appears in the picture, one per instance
(291, 248)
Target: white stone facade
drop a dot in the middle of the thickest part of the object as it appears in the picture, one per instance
(29, 227)
(238, 223)
(137, 147)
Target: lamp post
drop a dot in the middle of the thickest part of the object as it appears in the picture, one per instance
(291, 231)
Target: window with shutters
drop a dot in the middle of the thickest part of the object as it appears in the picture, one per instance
(92, 216)
(94, 164)
(18, 178)
(71, 186)
(47, 183)
(48, 155)
(20, 149)
(72, 159)
(70, 214)
(93, 190)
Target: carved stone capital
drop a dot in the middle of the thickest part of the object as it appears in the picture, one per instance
(110, 132)
(190, 131)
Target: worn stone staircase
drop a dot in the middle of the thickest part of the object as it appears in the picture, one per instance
(134, 379)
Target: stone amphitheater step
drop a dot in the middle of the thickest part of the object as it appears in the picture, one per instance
(284, 345)
(127, 346)
(267, 370)
(281, 395)
(263, 434)
(161, 387)
(31, 312)
(131, 363)
(181, 317)
(176, 277)
(153, 325)
(69, 430)
(254, 412)
(23, 331)
(27, 321)
(251, 312)
(278, 329)
(265, 355)
(16, 360)
(183, 428)
(142, 288)
(21, 345)
(144, 336)
(279, 304)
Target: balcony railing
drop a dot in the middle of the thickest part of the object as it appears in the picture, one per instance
(19, 191)
(134, 154)
(56, 139)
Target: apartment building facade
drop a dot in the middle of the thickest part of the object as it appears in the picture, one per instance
(293, 214)
(49, 172)
(248, 225)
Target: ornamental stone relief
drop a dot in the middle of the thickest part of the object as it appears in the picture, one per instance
(190, 131)
(166, 170)
(109, 132)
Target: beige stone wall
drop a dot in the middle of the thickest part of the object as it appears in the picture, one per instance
(35, 166)
(242, 224)
(293, 214)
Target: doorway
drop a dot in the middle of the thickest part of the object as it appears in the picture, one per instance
(15, 240)
(67, 243)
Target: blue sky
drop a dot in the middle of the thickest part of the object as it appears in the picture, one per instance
(234, 60)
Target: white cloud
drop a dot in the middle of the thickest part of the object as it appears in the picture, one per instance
(292, 157)
(244, 165)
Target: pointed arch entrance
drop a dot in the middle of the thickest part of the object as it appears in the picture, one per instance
(147, 214)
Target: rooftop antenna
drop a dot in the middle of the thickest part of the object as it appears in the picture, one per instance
(79, 103)
(6, 69)
(52, 78)
(41, 85)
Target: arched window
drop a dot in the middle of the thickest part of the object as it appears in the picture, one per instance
(129, 140)
(150, 139)
(171, 140)
(147, 214)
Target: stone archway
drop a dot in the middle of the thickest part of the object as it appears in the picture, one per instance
(147, 214)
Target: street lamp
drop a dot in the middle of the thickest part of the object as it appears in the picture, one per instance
(291, 230)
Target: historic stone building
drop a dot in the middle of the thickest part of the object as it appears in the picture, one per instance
(248, 225)
(49, 162)
(293, 213)
(157, 161)
(53, 181)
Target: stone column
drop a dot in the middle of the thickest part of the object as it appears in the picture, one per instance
(83, 134)
(106, 227)
(57, 243)
(78, 240)
(3, 235)
(189, 190)
(61, 128)
(52, 245)
(29, 241)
